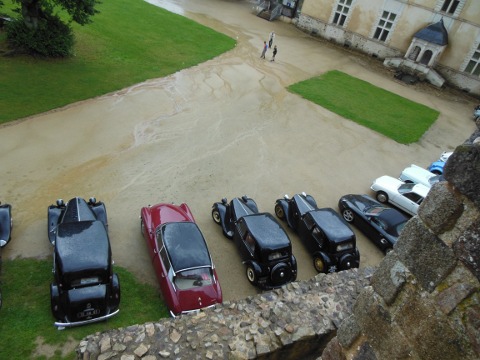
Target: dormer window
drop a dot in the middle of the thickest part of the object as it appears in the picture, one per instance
(449, 6)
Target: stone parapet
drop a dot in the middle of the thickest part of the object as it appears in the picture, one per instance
(295, 321)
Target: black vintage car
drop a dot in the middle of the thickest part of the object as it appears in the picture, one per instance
(85, 289)
(263, 245)
(324, 233)
(5, 231)
(380, 223)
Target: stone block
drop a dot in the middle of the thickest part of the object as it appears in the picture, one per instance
(441, 208)
(428, 330)
(424, 254)
(365, 353)
(389, 278)
(333, 351)
(467, 249)
(348, 332)
(376, 323)
(462, 170)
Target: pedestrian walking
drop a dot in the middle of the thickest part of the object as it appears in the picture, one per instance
(274, 53)
(270, 39)
(264, 51)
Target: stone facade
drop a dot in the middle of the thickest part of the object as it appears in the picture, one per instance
(422, 302)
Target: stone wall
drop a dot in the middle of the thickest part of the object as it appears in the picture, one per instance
(422, 302)
(294, 322)
(424, 299)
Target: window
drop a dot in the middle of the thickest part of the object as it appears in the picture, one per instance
(473, 66)
(343, 7)
(384, 26)
(449, 6)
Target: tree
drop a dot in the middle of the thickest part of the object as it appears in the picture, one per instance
(39, 30)
(33, 11)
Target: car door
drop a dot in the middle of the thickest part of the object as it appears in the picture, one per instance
(413, 201)
(161, 262)
(377, 233)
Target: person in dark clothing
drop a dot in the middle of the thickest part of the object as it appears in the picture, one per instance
(274, 53)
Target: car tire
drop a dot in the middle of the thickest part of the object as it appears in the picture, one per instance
(319, 264)
(436, 172)
(279, 212)
(348, 215)
(388, 251)
(216, 216)
(251, 276)
(382, 197)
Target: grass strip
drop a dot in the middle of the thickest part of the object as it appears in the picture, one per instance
(25, 314)
(400, 119)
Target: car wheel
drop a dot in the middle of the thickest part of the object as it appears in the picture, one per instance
(382, 197)
(281, 274)
(436, 172)
(279, 212)
(319, 264)
(346, 262)
(251, 276)
(388, 251)
(348, 215)
(216, 216)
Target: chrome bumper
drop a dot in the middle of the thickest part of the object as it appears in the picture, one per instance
(63, 325)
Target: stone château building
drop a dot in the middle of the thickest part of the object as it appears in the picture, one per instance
(437, 40)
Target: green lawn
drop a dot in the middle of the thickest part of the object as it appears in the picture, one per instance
(25, 314)
(398, 118)
(128, 42)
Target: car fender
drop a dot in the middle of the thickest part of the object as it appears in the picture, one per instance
(311, 200)
(285, 204)
(250, 203)
(326, 259)
(256, 267)
(115, 293)
(54, 213)
(436, 166)
(222, 210)
(56, 306)
(5, 224)
(293, 263)
(100, 212)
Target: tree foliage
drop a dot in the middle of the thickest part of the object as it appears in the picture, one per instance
(41, 31)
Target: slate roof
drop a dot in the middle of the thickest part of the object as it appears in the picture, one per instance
(434, 33)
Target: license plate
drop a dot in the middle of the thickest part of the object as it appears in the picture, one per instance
(88, 313)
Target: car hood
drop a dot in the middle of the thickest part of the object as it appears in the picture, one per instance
(387, 182)
(361, 202)
(198, 298)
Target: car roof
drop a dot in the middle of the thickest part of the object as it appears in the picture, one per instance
(332, 224)
(267, 231)
(392, 217)
(186, 245)
(82, 245)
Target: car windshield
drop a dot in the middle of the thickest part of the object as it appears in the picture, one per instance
(405, 188)
(193, 278)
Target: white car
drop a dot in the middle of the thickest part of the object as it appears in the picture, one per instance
(406, 197)
(418, 175)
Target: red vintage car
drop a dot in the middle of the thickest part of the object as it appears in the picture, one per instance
(180, 257)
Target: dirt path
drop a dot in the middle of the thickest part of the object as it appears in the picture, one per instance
(227, 127)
